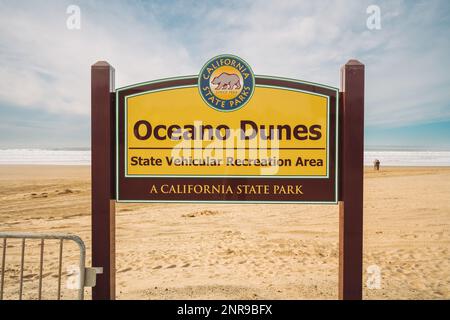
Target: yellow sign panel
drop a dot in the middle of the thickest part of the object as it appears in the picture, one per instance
(278, 133)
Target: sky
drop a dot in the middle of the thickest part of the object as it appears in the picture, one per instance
(45, 66)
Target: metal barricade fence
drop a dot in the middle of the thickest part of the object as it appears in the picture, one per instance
(86, 275)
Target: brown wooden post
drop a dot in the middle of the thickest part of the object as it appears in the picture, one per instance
(352, 170)
(102, 174)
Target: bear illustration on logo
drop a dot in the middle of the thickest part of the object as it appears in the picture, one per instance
(227, 81)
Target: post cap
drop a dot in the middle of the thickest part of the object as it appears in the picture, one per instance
(353, 62)
(101, 64)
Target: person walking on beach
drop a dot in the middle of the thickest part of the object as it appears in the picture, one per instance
(376, 164)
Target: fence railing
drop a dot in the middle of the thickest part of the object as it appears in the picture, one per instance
(86, 277)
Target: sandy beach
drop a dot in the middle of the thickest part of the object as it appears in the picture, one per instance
(204, 251)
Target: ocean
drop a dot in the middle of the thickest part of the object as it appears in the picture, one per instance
(83, 157)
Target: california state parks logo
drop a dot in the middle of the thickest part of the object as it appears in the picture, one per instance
(226, 83)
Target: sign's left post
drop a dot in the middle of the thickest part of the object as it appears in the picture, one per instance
(103, 178)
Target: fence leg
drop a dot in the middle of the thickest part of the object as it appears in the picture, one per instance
(22, 263)
(2, 281)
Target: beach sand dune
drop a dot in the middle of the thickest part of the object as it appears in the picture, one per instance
(204, 251)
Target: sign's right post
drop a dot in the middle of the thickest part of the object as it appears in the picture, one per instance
(351, 181)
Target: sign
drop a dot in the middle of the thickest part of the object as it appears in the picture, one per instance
(227, 135)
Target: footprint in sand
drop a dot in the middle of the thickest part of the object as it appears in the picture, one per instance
(42, 195)
(200, 213)
(67, 191)
(408, 236)
(172, 266)
(437, 236)
(229, 251)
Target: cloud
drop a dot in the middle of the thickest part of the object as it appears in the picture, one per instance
(406, 64)
(45, 66)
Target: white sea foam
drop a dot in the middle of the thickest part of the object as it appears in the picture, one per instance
(83, 157)
(45, 156)
(408, 158)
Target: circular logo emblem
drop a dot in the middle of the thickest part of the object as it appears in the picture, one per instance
(226, 83)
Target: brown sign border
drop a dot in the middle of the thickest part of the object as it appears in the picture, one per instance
(321, 190)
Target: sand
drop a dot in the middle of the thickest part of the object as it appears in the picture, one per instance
(204, 251)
